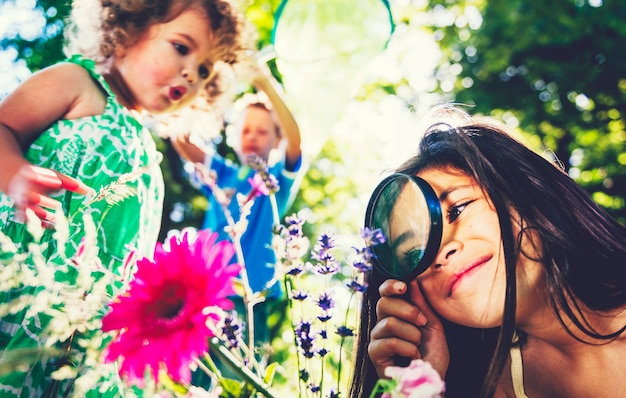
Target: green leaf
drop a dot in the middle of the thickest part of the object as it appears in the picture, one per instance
(270, 371)
(230, 388)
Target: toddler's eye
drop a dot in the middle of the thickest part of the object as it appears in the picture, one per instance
(455, 211)
(181, 49)
(203, 72)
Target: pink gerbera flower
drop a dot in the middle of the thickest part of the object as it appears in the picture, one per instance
(160, 317)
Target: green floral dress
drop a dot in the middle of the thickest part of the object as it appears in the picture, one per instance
(97, 150)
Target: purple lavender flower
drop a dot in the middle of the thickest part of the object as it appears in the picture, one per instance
(304, 328)
(357, 287)
(233, 330)
(299, 295)
(258, 164)
(344, 331)
(327, 264)
(325, 301)
(362, 266)
(365, 253)
(295, 269)
(373, 237)
(325, 317)
(294, 225)
(324, 243)
(305, 339)
(304, 375)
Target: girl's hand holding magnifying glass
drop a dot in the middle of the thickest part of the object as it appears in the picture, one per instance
(407, 327)
(31, 185)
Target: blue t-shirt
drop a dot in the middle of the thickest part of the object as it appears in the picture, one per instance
(256, 242)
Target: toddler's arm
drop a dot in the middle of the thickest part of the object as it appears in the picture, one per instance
(63, 91)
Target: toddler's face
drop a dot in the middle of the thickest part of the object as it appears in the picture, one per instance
(169, 65)
(258, 133)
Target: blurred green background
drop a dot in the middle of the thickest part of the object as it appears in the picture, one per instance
(554, 69)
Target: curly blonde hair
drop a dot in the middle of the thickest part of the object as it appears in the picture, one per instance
(120, 23)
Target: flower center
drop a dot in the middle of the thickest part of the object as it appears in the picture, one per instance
(170, 302)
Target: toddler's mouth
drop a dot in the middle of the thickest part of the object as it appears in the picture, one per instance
(177, 93)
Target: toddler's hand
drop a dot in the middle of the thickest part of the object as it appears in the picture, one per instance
(30, 186)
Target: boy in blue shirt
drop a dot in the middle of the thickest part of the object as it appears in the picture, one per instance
(262, 127)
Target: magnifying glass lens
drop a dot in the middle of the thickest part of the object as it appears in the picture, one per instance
(408, 212)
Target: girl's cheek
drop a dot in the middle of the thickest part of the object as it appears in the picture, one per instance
(427, 288)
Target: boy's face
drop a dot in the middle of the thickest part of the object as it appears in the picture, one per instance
(258, 133)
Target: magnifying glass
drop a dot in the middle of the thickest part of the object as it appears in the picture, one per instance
(408, 212)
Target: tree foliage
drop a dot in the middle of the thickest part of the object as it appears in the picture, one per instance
(557, 69)
(46, 49)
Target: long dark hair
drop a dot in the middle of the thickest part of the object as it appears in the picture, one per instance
(583, 249)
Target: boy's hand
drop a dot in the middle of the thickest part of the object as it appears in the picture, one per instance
(407, 327)
(30, 186)
(187, 149)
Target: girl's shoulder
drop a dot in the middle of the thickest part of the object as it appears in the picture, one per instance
(65, 70)
(53, 74)
(79, 69)
(72, 78)
(89, 97)
(60, 91)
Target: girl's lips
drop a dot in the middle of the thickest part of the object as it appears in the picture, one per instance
(177, 92)
(465, 271)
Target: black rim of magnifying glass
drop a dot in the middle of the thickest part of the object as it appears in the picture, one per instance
(434, 210)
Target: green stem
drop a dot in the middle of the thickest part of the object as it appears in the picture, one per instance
(248, 376)
(247, 290)
(382, 385)
(323, 368)
(210, 368)
(248, 303)
(288, 290)
(342, 340)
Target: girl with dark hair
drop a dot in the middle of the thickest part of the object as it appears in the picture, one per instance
(526, 292)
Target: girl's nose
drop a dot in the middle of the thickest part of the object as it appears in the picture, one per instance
(189, 75)
(446, 253)
(190, 70)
